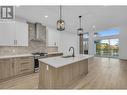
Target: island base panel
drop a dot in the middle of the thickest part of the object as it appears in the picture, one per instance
(62, 77)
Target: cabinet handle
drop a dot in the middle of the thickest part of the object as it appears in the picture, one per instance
(24, 63)
(24, 69)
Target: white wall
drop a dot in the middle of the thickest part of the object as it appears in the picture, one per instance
(91, 48)
(67, 40)
(123, 43)
(64, 40)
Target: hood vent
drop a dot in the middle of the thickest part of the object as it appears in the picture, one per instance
(39, 32)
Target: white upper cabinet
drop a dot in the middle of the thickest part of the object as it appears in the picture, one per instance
(21, 34)
(7, 34)
(14, 34)
(53, 37)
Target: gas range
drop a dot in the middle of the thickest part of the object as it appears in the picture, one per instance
(37, 56)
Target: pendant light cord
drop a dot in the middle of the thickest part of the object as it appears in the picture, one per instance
(80, 21)
(60, 12)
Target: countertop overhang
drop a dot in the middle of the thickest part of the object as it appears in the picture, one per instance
(15, 55)
(57, 62)
(23, 55)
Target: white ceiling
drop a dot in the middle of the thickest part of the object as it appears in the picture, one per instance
(102, 17)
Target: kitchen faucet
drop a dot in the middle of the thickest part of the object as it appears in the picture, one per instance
(73, 55)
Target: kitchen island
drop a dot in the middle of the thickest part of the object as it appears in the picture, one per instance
(60, 72)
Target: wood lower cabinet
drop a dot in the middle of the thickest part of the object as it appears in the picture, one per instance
(23, 65)
(6, 68)
(10, 67)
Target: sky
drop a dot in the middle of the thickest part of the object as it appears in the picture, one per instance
(109, 32)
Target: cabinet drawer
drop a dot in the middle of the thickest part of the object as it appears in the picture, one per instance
(22, 64)
(26, 70)
(26, 65)
(6, 60)
(23, 59)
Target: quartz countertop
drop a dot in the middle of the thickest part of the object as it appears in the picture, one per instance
(23, 55)
(15, 55)
(59, 61)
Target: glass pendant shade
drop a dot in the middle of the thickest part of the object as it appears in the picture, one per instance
(60, 22)
(80, 30)
(60, 25)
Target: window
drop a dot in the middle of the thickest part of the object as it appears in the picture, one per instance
(85, 42)
(109, 32)
(86, 35)
(107, 44)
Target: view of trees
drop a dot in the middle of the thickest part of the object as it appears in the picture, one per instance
(106, 49)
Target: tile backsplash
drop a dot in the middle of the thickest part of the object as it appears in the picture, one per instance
(52, 49)
(34, 46)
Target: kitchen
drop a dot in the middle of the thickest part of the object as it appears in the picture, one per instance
(22, 47)
(35, 54)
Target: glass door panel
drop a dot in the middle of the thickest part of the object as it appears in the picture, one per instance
(85, 42)
(114, 47)
(102, 48)
(107, 47)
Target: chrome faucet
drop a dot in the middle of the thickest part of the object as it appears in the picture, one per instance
(73, 55)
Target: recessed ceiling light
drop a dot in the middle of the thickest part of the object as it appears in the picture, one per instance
(46, 16)
(94, 26)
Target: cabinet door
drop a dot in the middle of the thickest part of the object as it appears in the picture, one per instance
(50, 37)
(21, 34)
(7, 34)
(53, 37)
(6, 68)
(56, 38)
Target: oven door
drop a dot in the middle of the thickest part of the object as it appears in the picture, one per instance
(36, 65)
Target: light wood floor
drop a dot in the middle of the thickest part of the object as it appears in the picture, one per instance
(104, 73)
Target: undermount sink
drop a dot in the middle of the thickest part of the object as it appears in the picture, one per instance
(67, 56)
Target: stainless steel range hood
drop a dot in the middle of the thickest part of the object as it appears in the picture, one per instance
(39, 29)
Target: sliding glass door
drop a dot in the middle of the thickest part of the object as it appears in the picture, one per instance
(114, 47)
(107, 47)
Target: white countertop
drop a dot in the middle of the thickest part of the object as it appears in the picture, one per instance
(22, 55)
(16, 55)
(59, 61)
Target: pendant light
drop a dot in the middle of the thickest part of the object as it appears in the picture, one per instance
(60, 22)
(80, 30)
